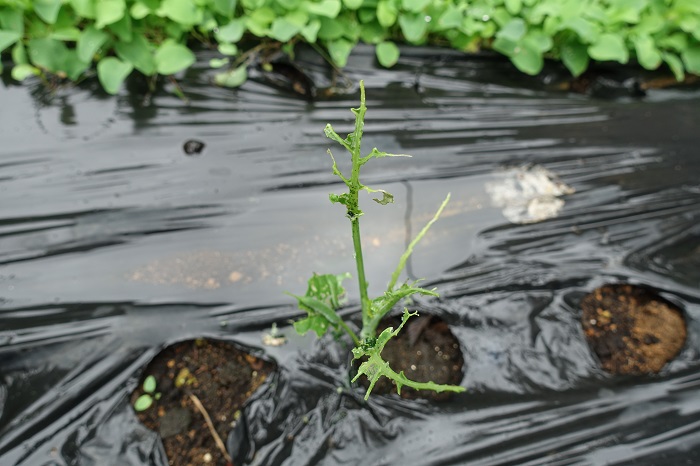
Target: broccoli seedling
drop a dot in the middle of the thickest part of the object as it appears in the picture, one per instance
(325, 293)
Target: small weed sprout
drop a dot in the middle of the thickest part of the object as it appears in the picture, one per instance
(145, 401)
(325, 293)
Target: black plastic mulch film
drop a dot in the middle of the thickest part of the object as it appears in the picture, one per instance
(115, 243)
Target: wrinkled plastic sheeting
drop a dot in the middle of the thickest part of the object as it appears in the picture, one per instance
(116, 244)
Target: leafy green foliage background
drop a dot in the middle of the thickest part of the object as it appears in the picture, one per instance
(153, 37)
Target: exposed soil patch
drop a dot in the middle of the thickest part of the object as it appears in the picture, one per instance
(426, 350)
(631, 329)
(219, 376)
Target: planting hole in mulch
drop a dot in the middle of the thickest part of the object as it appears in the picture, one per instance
(425, 350)
(194, 377)
(631, 329)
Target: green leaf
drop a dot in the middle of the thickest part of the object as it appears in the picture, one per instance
(574, 54)
(22, 71)
(413, 26)
(323, 296)
(73, 66)
(339, 50)
(513, 6)
(289, 5)
(143, 402)
(328, 8)
(387, 13)
(70, 34)
(650, 24)
(85, 8)
(112, 72)
(352, 4)
(231, 32)
(149, 384)
(139, 10)
(377, 154)
(691, 25)
(677, 42)
(373, 33)
(505, 46)
(122, 28)
(310, 31)
(139, 53)
(232, 78)
(259, 21)
(19, 54)
(181, 11)
(414, 6)
(218, 62)
(588, 32)
(539, 40)
(691, 59)
(331, 29)
(12, 20)
(228, 49)
(328, 288)
(387, 54)
(647, 53)
(675, 64)
(108, 12)
(47, 10)
(317, 323)
(375, 367)
(609, 47)
(501, 17)
(513, 31)
(90, 42)
(452, 17)
(8, 38)
(283, 30)
(225, 7)
(172, 57)
(527, 57)
(387, 198)
(47, 53)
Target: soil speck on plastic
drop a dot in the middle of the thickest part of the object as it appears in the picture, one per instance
(221, 376)
(426, 350)
(193, 147)
(632, 330)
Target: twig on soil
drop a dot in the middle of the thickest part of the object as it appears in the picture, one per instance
(217, 439)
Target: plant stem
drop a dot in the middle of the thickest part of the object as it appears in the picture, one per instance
(354, 212)
(349, 331)
(412, 244)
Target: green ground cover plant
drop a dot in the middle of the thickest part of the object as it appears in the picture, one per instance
(70, 38)
(325, 293)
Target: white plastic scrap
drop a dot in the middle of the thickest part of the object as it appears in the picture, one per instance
(528, 194)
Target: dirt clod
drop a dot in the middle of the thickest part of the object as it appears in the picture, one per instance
(631, 329)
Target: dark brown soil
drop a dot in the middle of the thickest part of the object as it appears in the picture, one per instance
(220, 376)
(631, 329)
(426, 350)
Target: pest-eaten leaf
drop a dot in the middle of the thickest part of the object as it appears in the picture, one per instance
(324, 295)
(376, 367)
